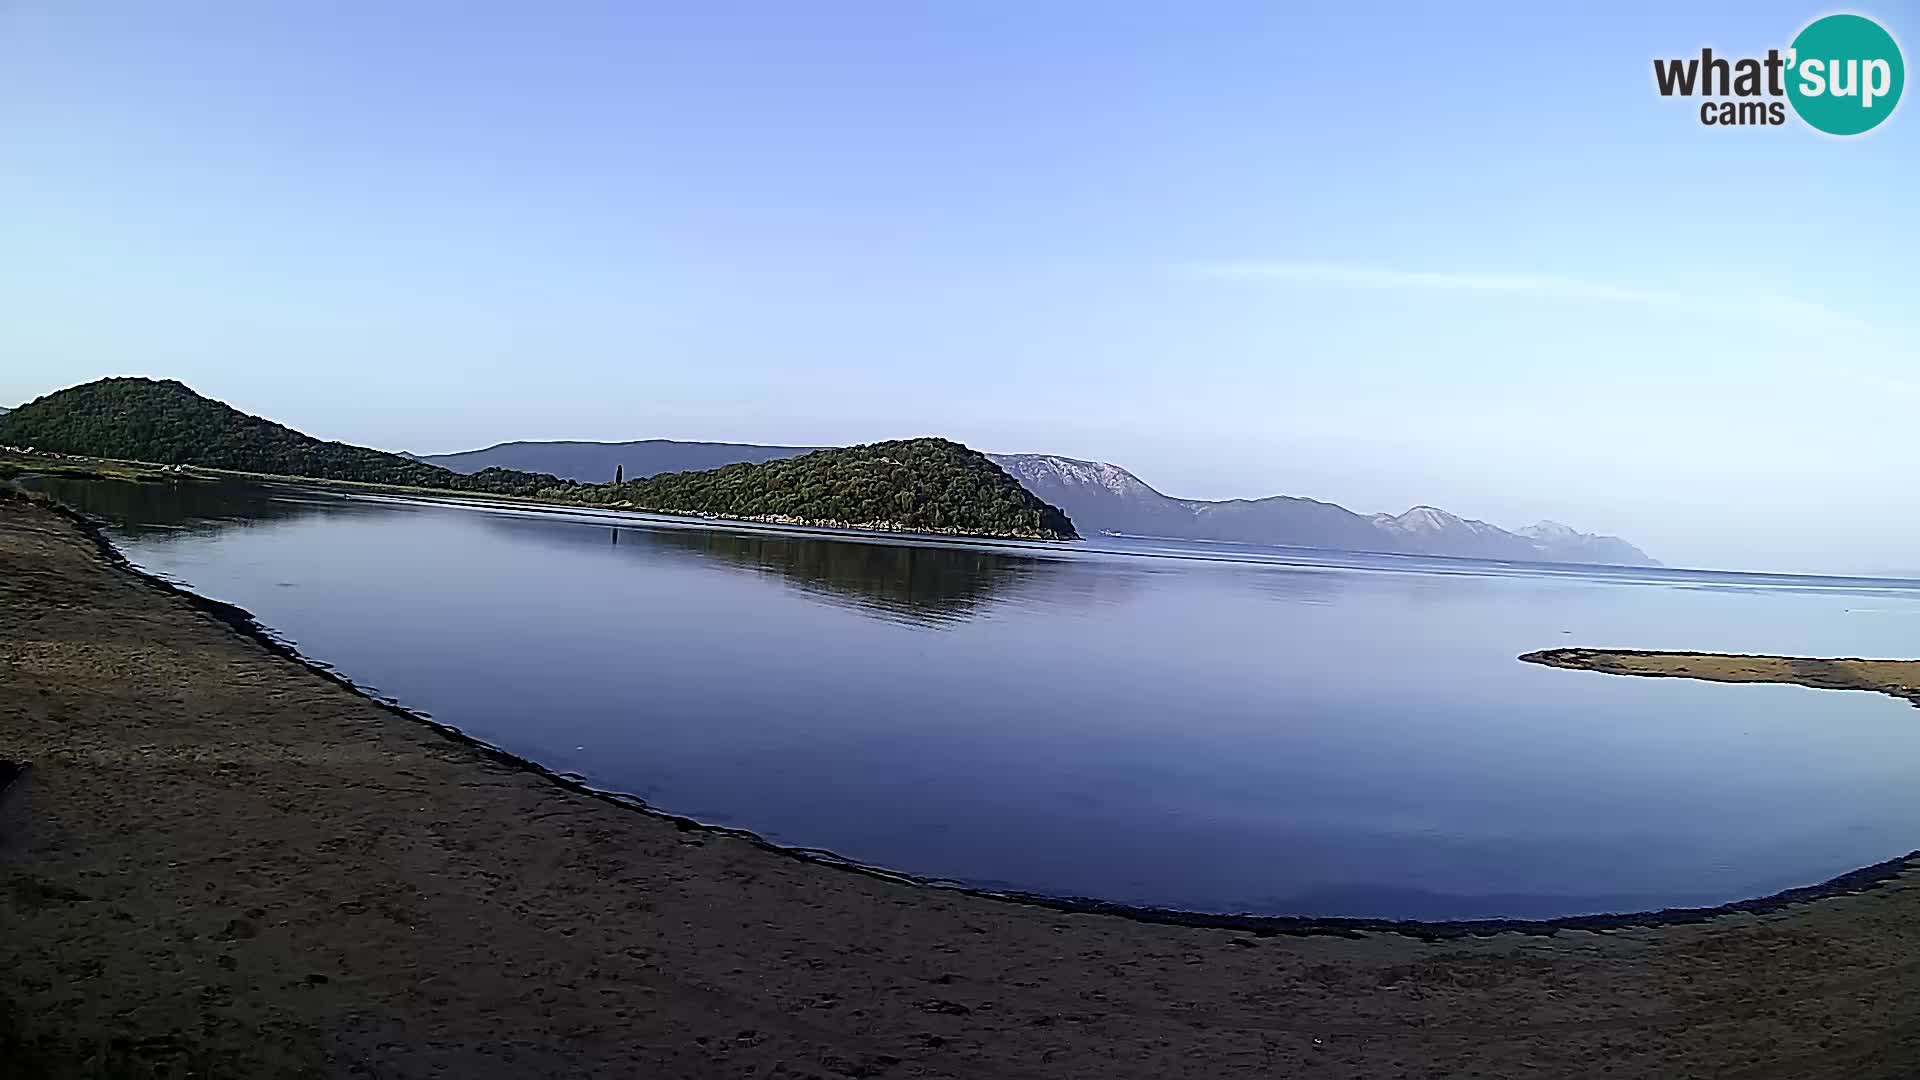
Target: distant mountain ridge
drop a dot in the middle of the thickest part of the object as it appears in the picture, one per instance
(1101, 497)
(594, 462)
(1106, 498)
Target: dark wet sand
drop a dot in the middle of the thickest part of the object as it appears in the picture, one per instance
(224, 864)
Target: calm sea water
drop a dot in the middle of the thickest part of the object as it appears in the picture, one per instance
(1211, 727)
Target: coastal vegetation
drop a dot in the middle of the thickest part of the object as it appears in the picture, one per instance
(13, 464)
(917, 485)
(164, 422)
(913, 485)
(1102, 497)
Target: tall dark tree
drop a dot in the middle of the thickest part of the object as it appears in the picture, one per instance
(619, 474)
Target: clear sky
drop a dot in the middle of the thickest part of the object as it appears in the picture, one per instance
(1373, 257)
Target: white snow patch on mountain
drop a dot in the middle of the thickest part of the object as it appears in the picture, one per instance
(1068, 471)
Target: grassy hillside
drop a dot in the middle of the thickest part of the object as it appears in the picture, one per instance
(167, 423)
(914, 485)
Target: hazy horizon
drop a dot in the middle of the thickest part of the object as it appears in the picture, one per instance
(1488, 269)
(1515, 525)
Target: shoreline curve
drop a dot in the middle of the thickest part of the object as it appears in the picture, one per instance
(1850, 883)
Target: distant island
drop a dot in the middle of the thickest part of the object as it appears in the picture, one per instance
(916, 485)
(1105, 498)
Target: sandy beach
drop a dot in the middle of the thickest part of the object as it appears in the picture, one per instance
(1895, 678)
(223, 863)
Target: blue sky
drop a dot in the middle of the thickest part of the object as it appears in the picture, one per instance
(1382, 259)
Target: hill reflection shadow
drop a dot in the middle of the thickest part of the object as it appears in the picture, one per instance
(161, 511)
(912, 583)
(924, 584)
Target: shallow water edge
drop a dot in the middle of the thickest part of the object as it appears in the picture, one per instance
(244, 623)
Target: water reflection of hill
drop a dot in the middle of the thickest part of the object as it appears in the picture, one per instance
(156, 511)
(918, 584)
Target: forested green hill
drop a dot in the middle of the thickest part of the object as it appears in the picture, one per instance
(912, 485)
(166, 423)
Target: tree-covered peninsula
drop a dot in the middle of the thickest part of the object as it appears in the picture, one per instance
(164, 422)
(908, 485)
(912, 485)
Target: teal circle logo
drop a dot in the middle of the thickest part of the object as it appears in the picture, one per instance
(1845, 74)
